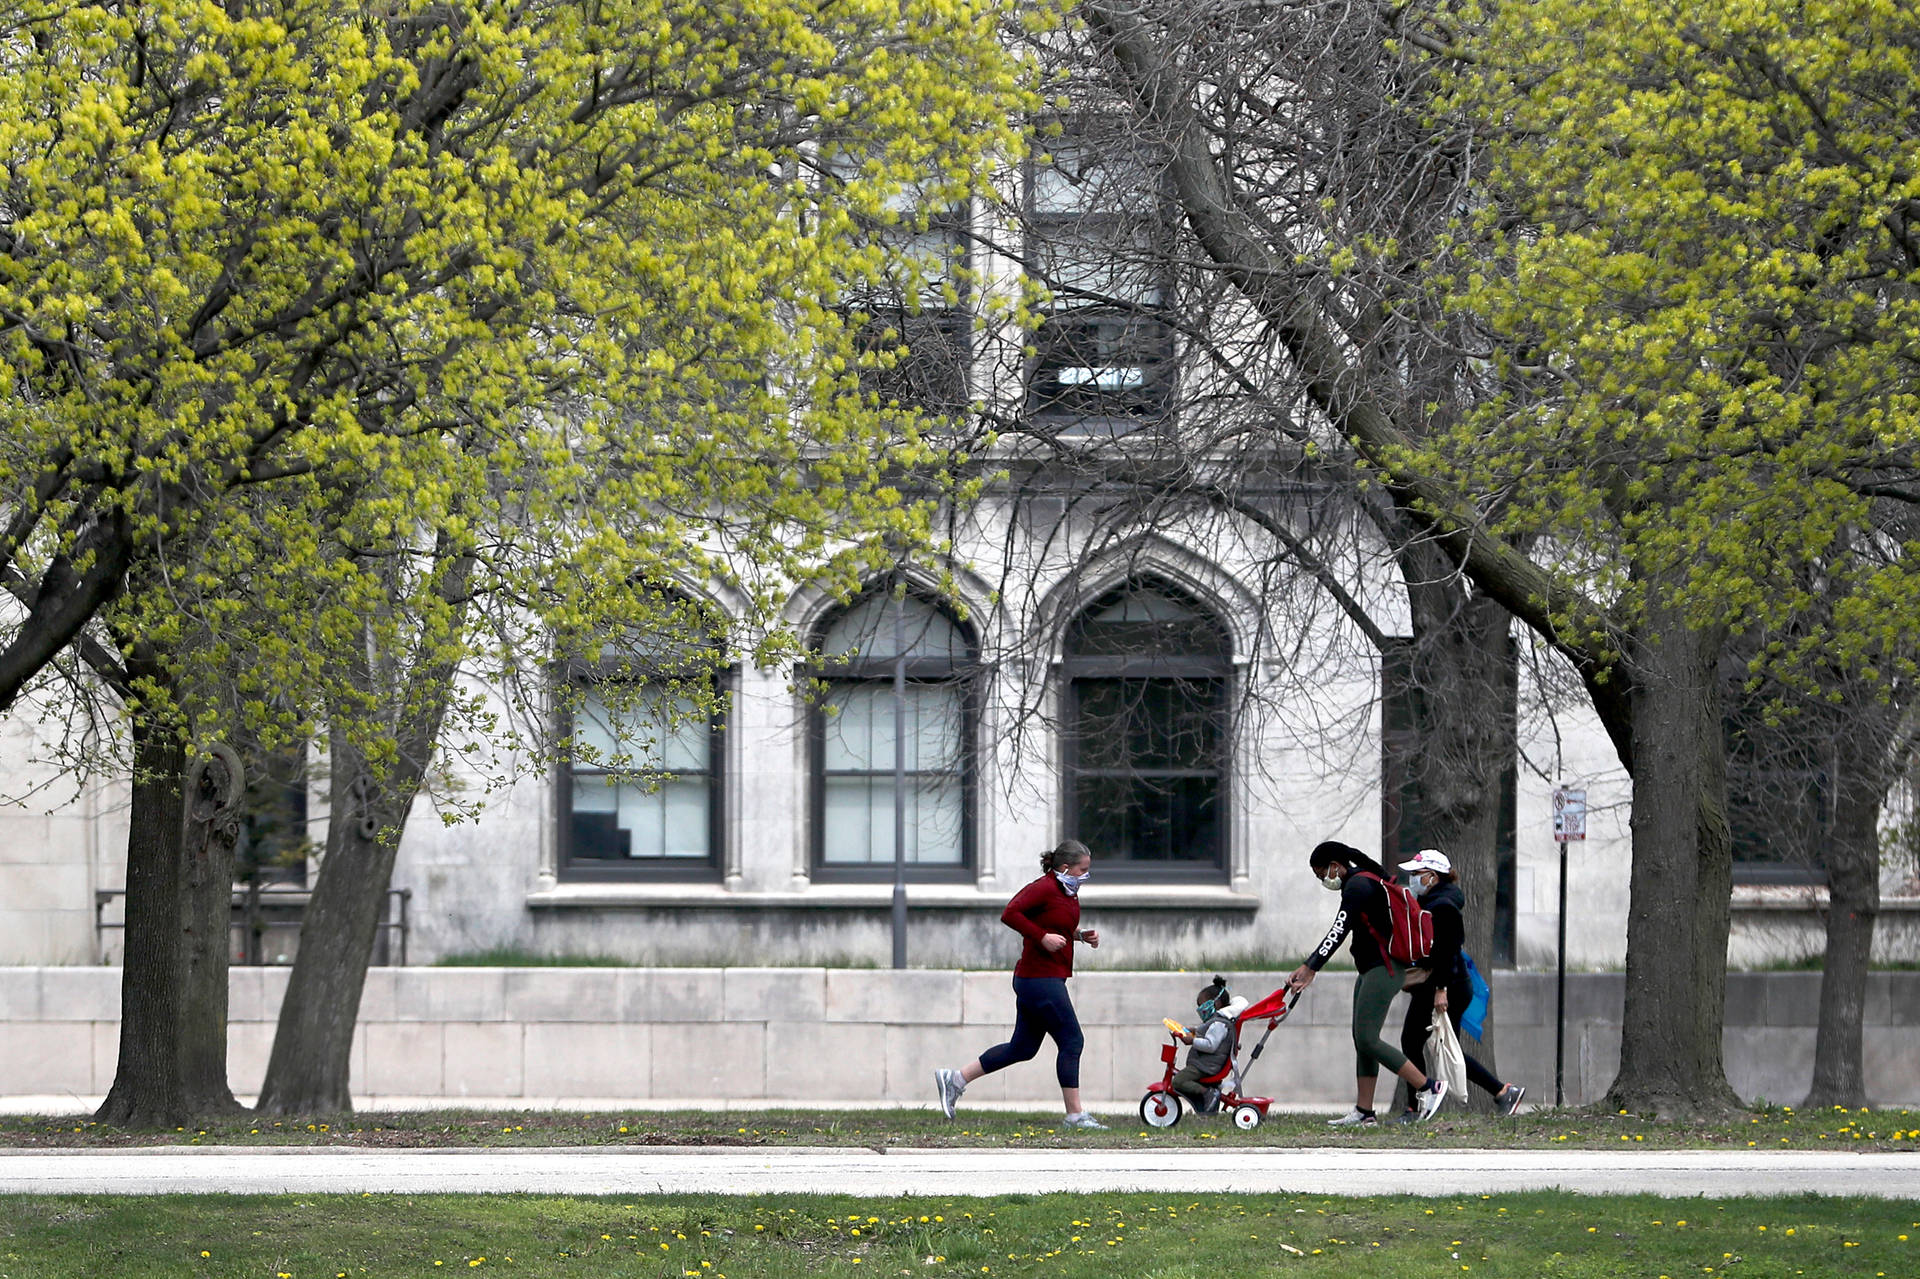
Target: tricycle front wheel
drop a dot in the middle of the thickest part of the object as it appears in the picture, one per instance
(1160, 1110)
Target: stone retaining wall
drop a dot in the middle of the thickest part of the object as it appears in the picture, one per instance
(546, 1035)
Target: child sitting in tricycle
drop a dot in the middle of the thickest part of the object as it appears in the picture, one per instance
(1210, 1080)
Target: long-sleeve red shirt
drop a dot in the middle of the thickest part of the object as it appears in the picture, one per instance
(1040, 908)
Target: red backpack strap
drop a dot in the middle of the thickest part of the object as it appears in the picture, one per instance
(1386, 951)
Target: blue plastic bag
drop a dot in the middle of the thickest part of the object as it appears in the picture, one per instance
(1474, 1020)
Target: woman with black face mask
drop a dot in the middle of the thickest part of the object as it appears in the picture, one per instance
(1365, 917)
(1046, 914)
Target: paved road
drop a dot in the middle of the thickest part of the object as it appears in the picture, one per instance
(639, 1170)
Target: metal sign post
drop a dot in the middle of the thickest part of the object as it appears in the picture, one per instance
(900, 782)
(1569, 823)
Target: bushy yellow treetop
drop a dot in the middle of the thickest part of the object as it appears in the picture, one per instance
(1702, 292)
(549, 291)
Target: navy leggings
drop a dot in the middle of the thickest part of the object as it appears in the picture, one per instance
(1041, 1008)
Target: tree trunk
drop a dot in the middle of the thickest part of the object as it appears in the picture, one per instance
(148, 1090)
(1853, 904)
(308, 1072)
(216, 786)
(1682, 878)
(173, 978)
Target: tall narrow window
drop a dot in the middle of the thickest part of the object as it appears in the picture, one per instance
(1780, 786)
(1098, 232)
(854, 784)
(640, 786)
(1148, 684)
(913, 329)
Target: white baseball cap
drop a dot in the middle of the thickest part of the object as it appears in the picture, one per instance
(1429, 859)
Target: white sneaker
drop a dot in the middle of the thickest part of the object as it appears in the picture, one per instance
(947, 1086)
(1081, 1119)
(1428, 1099)
(1353, 1119)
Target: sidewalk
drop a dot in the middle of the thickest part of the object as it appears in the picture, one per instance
(73, 1104)
(887, 1174)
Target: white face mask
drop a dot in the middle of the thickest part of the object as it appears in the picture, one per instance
(1332, 882)
(1071, 882)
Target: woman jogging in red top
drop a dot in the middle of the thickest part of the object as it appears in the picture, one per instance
(1046, 914)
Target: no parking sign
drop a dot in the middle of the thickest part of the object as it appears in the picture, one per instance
(1569, 814)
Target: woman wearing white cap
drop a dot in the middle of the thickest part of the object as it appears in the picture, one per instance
(1444, 984)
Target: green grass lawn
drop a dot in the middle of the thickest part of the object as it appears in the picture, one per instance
(1143, 1236)
(1772, 1129)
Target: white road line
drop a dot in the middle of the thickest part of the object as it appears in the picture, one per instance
(902, 1171)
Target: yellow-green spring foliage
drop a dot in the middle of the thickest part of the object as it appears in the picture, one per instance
(306, 305)
(1701, 288)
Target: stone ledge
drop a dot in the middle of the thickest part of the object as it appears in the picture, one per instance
(1766, 898)
(614, 896)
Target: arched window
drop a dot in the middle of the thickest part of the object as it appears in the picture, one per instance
(640, 784)
(853, 740)
(1148, 680)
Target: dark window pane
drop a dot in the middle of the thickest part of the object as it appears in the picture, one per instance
(1147, 727)
(1101, 366)
(1776, 816)
(1148, 819)
(1134, 724)
(598, 837)
(918, 360)
(1780, 788)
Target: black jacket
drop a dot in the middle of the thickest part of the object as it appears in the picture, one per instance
(1447, 904)
(1362, 901)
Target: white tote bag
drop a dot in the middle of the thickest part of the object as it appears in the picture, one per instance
(1446, 1059)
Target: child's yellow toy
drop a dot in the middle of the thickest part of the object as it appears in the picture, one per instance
(1173, 1025)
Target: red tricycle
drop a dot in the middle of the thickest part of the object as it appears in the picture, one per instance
(1162, 1107)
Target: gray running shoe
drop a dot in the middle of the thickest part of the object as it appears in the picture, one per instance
(1353, 1119)
(1427, 1100)
(947, 1086)
(1509, 1099)
(1081, 1119)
